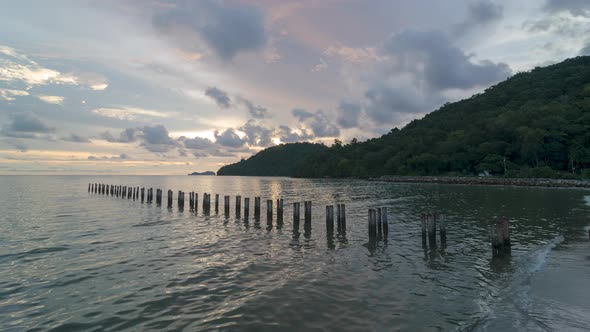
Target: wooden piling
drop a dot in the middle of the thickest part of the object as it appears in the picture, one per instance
(423, 226)
(372, 223)
(269, 209)
(330, 218)
(501, 237)
(256, 206)
(196, 207)
(246, 207)
(216, 203)
(226, 205)
(385, 223)
(442, 228)
(238, 205)
(379, 222)
(307, 208)
(296, 211)
(432, 226)
(280, 210)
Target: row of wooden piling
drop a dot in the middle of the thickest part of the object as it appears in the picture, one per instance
(148, 196)
(378, 226)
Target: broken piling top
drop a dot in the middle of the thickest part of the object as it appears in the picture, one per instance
(501, 233)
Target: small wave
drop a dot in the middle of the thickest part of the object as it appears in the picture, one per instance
(587, 200)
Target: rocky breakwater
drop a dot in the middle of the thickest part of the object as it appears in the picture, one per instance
(555, 183)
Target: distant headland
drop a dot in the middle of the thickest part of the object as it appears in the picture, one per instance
(202, 173)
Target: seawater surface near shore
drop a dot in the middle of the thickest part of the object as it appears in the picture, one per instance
(71, 260)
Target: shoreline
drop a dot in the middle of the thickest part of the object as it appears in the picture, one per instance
(520, 182)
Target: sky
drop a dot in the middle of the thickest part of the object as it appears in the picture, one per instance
(172, 87)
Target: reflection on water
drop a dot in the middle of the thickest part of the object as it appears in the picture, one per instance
(73, 260)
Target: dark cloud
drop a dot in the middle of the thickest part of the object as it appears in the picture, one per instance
(227, 29)
(431, 56)
(197, 143)
(76, 139)
(17, 144)
(257, 135)
(574, 7)
(26, 124)
(119, 157)
(479, 13)
(156, 139)
(288, 135)
(124, 156)
(585, 50)
(219, 96)
(348, 114)
(229, 138)
(301, 114)
(257, 112)
(318, 122)
(386, 103)
(126, 136)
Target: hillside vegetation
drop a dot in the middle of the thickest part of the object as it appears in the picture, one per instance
(280, 160)
(535, 124)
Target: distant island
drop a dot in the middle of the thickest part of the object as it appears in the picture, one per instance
(203, 173)
(535, 124)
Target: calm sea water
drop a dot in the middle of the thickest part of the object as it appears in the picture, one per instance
(70, 260)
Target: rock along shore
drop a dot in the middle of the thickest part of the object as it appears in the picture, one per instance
(553, 183)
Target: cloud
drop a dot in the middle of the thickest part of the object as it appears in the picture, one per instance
(289, 135)
(432, 57)
(257, 135)
(16, 67)
(574, 7)
(19, 145)
(11, 94)
(156, 139)
(318, 123)
(99, 87)
(323, 65)
(219, 96)
(585, 50)
(348, 114)
(126, 136)
(57, 100)
(129, 113)
(479, 13)
(301, 114)
(386, 102)
(229, 138)
(26, 124)
(227, 29)
(197, 143)
(256, 111)
(104, 158)
(357, 55)
(76, 139)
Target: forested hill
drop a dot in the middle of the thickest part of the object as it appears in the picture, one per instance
(280, 160)
(535, 124)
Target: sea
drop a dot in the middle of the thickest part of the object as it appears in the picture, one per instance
(71, 260)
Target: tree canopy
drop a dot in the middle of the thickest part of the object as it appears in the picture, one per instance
(534, 124)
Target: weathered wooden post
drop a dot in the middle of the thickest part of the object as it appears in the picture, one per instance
(423, 226)
(246, 207)
(226, 205)
(501, 237)
(205, 204)
(372, 224)
(442, 229)
(385, 224)
(280, 210)
(307, 208)
(238, 205)
(269, 210)
(196, 201)
(379, 222)
(330, 218)
(191, 200)
(432, 227)
(216, 203)
(170, 194)
(256, 207)
(296, 211)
